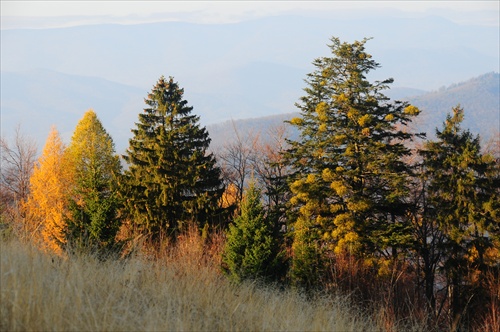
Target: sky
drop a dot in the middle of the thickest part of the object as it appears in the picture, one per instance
(50, 14)
(211, 96)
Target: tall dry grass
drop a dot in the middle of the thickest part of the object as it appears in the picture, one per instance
(179, 290)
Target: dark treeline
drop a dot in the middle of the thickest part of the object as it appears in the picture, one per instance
(356, 203)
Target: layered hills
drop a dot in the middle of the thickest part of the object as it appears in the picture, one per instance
(242, 70)
(479, 97)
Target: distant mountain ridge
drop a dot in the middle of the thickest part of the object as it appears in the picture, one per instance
(235, 71)
(38, 99)
(122, 53)
(479, 97)
(66, 97)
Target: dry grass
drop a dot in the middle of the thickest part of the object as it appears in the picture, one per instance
(182, 291)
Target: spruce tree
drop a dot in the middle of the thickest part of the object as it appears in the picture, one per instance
(349, 179)
(171, 178)
(252, 250)
(463, 194)
(93, 220)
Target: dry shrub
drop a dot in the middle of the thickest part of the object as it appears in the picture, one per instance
(491, 320)
(390, 296)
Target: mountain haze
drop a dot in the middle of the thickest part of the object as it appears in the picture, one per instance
(38, 99)
(248, 69)
(479, 97)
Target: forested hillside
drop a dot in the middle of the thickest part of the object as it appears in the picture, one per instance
(479, 97)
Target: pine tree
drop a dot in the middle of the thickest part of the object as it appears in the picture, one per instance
(93, 220)
(252, 250)
(350, 179)
(463, 193)
(171, 177)
(50, 185)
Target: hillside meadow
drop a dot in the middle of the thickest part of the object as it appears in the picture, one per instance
(180, 290)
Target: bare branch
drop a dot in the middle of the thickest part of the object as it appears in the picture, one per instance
(17, 162)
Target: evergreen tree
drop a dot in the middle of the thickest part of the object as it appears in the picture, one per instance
(463, 194)
(50, 185)
(171, 177)
(93, 220)
(350, 179)
(252, 249)
(308, 263)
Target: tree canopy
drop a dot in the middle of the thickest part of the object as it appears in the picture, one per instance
(171, 176)
(463, 199)
(50, 185)
(93, 220)
(349, 180)
(252, 250)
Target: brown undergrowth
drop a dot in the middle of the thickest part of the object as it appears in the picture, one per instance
(180, 288)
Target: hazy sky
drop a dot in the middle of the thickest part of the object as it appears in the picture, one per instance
(417, 57)
(41, 14)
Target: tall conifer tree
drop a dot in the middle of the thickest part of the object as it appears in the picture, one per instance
(50, 185)
(463, 198)
(171, 177)
(93, 220)
(349, 182)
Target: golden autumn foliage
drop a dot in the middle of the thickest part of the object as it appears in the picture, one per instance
(321, 110)
(93, 202)
(297, 121)
(411, 110)
(365, 120)
(50, 184)
(230, 196)
(92, 150)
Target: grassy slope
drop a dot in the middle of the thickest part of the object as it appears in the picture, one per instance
(184, 292)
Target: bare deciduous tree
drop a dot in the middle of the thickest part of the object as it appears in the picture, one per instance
(492, 146)
(269, 165)
(234, 159)
(17, 160)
